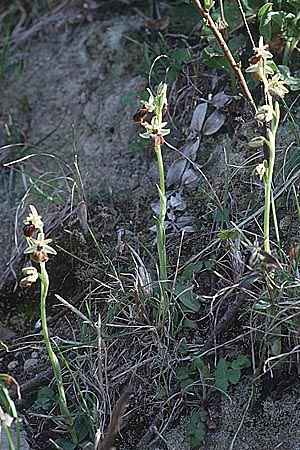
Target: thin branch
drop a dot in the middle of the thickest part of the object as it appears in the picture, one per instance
(234, 65)
(245, 23)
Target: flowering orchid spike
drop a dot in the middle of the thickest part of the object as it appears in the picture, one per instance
(34, 218)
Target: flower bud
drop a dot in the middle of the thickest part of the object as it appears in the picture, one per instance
(256, 142)
(30, 276)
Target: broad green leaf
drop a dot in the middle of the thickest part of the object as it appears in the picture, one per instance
(190, 324)
(241, 362)
(190, 270)
(234, 375)
(221, 376)
(186, 297)
(196, 428)
(182, 373)
(187, 384)
(65, 444)
(45, 398)
(264, 10)
(183, 347)
(198, 364)
(265, 28)
(208, 4)
(82, 427)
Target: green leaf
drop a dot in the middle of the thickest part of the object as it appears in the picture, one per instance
(179, 57)
(82, 427)
(65, 444)
(208, 4)
(241, 362)
(234, 375)
(265, 27)
(163, 200)
(196, 428)
(186, 297)
(190, 270)
(183, 347)
(45, 398)
(190, 324)
(214, 60)
(277, 17)
(264, 11)
(292, 82)
(198, 364)
(182, 373)
(186, 384)
(221, 376)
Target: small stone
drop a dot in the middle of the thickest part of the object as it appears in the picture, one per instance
(30, 364)
(12, 365)
(35, 355)
(6, 334)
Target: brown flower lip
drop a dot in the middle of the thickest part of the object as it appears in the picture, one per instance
(29, 229)
(39, 256)
(141, 115)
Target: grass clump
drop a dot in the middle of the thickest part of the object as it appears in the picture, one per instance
(228, 289)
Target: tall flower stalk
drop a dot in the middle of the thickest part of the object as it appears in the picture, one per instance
(155, 130)
(38, 249)
(261, 68)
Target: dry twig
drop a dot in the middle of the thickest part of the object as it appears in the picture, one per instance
(114, 424)
(234, 65)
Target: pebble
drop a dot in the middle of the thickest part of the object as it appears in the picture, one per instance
(35, 355)
(12, 365)
(30, 364)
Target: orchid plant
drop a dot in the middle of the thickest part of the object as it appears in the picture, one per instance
(38, 249)
(156, 131)
(262, 69)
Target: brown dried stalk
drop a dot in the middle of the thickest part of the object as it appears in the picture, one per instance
(114, 424)
(234, 65)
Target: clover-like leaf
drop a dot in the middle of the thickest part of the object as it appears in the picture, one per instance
(198, 117)
(190, 149)
(214, 122)
(220, 100)
(190, 178)
(175, 172)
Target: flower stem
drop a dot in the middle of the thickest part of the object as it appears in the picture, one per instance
(268, 181)
(9, 438)
(44, 278)
(161, 235)
(268, 189)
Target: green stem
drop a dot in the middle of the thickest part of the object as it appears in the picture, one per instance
(161, 234)
(10, 441)
(268, 192)
(275, 219)
(268, 181)
(52, 356)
